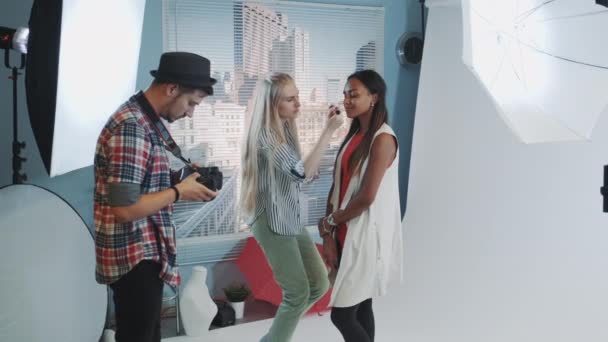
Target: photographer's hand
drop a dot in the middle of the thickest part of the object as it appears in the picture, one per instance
(176, 175)
(191, 190)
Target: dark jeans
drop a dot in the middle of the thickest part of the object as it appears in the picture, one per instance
(137, 301)
(356, 323)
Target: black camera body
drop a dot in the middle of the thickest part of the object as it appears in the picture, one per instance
(211, 176)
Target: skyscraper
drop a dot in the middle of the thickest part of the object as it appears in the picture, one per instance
(256, 27)
(301, 42)
(366, 56)
(292, 56)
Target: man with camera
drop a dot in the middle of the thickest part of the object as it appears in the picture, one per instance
(134, 234)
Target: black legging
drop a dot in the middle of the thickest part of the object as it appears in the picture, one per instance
(356, 323)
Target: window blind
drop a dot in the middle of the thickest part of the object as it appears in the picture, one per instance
(319, 45)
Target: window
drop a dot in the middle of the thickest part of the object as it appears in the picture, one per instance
(317, 44)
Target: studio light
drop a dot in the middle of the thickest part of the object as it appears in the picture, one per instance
(74, 77)
(15, 39)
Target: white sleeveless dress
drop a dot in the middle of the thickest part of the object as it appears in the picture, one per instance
(373, 250)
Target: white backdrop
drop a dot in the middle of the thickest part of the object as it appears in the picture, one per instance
(504, 241)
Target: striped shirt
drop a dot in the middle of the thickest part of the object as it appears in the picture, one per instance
(281, 202)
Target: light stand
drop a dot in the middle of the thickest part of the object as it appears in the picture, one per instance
(16, 39)
(18, 177)
(422, 18)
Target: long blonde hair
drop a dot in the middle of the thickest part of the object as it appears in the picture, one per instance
(264, 115)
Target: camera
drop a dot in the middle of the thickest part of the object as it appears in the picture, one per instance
(211, 177)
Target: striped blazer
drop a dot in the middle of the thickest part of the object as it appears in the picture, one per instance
(278, 192)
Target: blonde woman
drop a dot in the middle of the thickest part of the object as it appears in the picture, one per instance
(273, 170)
(362, 230)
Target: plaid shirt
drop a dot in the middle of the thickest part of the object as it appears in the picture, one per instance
(130, 151)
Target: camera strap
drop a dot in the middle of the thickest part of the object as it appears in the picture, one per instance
(160, 128)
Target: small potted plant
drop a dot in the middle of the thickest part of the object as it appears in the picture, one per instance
(236, 295)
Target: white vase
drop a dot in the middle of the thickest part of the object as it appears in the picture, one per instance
(239, 309)
(108, 336)
(196, 306)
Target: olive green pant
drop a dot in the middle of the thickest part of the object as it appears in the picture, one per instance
(300, 272)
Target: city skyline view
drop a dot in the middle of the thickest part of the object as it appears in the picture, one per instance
(255, 38)
(336, 34)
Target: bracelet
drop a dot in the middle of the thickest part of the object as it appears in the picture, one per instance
(176, 193)
(324, 231)
(330, 220)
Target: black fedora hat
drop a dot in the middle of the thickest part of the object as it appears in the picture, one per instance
(186, 69)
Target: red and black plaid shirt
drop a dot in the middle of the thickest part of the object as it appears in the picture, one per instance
(130, 151)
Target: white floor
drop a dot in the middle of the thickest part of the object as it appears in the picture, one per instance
(312, 328)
